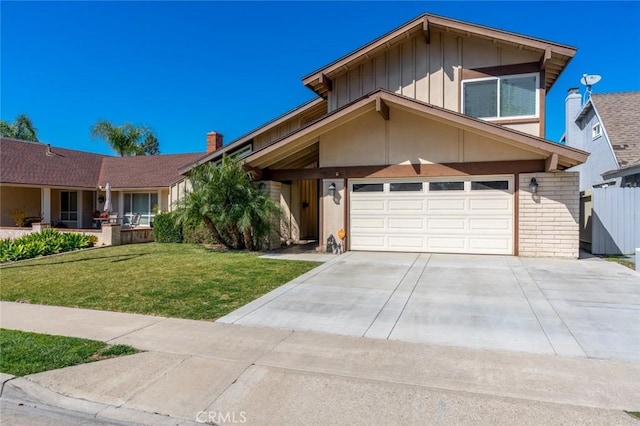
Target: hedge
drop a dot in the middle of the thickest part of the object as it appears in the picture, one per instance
(46, 242)
(166, 229)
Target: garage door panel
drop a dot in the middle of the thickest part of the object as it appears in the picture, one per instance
(446, 242)
(490, 243)
(441, 220)
(483, 224)
(406, 205)
(406, 223)
(376, 223)
(367, 205)
(490, 204)
(406, 243)
(440, 224)
(444, 204)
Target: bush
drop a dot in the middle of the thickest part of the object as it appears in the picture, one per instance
(46, 242)
(196, 234)
(166, 229)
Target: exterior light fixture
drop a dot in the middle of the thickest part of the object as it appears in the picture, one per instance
(332, 189)
(533, 186)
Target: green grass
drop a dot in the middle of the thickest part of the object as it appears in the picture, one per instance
(29, 353)
(175, 280)
(621, 260)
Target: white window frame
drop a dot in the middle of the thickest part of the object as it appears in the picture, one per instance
(148, 217)
(497, 80)
(596, 131)
(68, 213)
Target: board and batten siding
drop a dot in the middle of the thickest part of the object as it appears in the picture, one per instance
(615, 220)
(426, 72)
(289, 126)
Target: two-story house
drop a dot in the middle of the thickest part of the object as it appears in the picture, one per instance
(427, 139)
(607, 126)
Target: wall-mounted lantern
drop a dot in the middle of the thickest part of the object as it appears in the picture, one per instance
(332, 190)
(533, 186)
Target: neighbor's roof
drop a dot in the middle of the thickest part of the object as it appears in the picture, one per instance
(148, 171)
(555, 56)
(34, 163)
(620, 115)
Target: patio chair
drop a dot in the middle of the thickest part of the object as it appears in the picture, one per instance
(135, 221)
(113, 217)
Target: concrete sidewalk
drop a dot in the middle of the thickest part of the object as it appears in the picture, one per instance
(197, 371)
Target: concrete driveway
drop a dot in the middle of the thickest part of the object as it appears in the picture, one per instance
(585, 308)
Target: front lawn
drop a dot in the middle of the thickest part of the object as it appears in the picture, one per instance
(175, 280)
(29, 353)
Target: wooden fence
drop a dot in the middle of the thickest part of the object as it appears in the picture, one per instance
(610, 220)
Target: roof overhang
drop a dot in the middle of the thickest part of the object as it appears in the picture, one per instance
(246, 139)
(558, 156)
(554, 57)
(625, 171)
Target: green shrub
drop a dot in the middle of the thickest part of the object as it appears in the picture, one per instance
(196, 234)
(166, 229)
(46, 242)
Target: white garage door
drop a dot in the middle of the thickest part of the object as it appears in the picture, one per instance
(443, 215)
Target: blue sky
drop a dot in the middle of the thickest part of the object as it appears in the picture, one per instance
(186, 68)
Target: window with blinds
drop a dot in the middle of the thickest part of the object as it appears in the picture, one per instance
(501, 97)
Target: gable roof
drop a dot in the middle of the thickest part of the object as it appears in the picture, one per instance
(144, 171)
(305, 136)
(245, 140)
(33, 163)
(556, 55)
(620, 116)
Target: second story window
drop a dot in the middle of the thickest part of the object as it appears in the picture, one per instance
(504, 97)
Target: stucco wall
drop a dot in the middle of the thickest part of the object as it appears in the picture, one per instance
(409, 138)
(549, 220)
(13, 197)
(333, 212)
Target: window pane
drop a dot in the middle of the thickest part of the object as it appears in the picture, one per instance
(367, 187)
(127, 203)
(73, 216)
(64, 201)
(481, 98)
(446, 186)
(406, 186)
(517, 96)
(141, 203)
(154, 201)
(73, 197)
(490, 184)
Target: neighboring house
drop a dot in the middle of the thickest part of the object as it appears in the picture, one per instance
(428, 139)
(65, 186)
(607, 126)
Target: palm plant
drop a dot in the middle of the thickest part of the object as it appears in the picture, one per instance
(238, 214)
(127, 139)
(22, 128)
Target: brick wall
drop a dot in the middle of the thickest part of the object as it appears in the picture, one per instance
(548, 220)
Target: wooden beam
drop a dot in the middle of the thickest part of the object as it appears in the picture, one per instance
(408, 170)
(551, 163)
(382, 108)
(326, 82)
(546, 58)
(425, 30)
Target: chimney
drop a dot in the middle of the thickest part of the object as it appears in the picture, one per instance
(572, 106)
(214, 141)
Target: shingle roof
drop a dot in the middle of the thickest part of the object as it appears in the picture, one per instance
(32, 163)
(620, 114)
(144, 171)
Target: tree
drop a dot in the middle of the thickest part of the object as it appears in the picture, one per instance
(22, 128)
(127, 139)
(236, 212)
